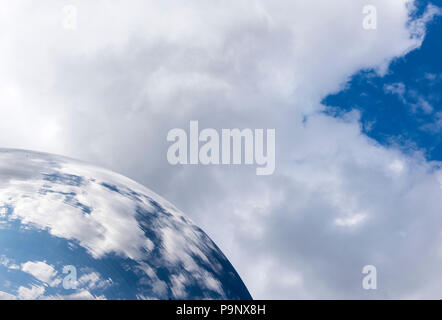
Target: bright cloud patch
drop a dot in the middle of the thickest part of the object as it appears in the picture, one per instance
(42, 271)
(109, 92)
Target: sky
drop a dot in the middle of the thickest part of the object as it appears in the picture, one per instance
(402, 107)
(357, 117)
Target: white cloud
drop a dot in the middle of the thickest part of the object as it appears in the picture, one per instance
(93, 280)
(350, 221)
(178, 287)
(6, 262)
(6, 296)
(78, 295)
(110, 91)
(42, 271)
(418, 103)
(31, 293)
(397, 89)
(436, 125)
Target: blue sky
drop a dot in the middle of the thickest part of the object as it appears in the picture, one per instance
(109, 90)
(402, 108)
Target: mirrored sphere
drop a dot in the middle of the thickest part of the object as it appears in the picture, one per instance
(69, 230)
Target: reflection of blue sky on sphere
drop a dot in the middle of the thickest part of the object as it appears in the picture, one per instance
(125, 241)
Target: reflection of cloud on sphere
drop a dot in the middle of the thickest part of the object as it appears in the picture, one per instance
(124, 241)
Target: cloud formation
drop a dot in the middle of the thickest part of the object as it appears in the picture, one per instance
(109, 92)
(42, 271)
